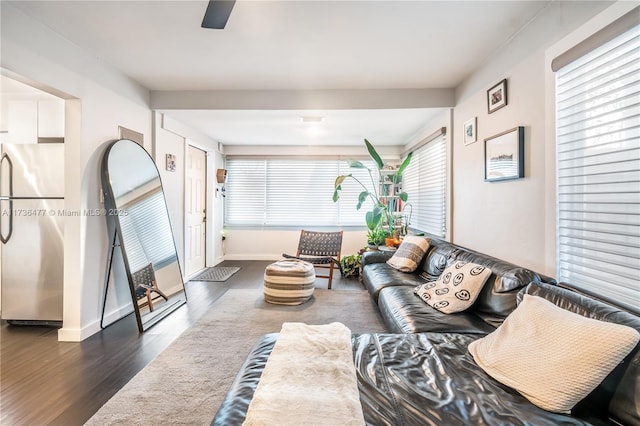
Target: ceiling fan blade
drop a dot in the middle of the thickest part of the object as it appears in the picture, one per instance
(217, 14)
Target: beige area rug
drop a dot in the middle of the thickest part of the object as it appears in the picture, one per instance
(187, 382)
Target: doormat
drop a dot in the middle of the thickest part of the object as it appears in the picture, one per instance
(217, 273)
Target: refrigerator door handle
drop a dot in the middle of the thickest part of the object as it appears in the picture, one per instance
(5, 238)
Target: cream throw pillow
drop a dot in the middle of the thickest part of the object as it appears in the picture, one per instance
(552, 356)
(456, 288)
(410, 253)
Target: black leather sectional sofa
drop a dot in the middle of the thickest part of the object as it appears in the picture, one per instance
(403, 312)
(421, 372)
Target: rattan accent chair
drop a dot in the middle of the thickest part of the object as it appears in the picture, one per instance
(322, 249)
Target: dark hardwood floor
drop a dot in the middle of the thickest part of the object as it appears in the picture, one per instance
(43, 381)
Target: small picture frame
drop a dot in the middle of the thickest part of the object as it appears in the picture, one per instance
(497, 96)
(171, 163)
(469, 131)
(504, 155)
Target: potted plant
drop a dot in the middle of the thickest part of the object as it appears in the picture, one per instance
(350, 265)
(380, 213)
(376, 237)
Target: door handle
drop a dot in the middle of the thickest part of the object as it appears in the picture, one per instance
(5, 238)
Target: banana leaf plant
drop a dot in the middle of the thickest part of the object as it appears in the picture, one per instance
(380, 212)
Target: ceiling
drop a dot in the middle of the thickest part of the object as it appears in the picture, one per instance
(293, 46)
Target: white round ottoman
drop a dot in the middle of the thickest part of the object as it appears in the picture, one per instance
(289, 282)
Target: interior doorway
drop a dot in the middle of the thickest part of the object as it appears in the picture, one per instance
(32, 147)
(196, 214)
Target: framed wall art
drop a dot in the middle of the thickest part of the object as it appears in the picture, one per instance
(171, 163)
(504, 155)
(469, 131)
(497, 96)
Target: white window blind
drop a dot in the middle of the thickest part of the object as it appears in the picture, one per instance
(245, 190)
(291, 192)
(425, 182)
(147, 232)
(351, 189)
(598, 171)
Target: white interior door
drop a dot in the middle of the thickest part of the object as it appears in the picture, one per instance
(196, 193)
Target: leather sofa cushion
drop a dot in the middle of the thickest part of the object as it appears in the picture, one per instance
(431, 379)
(572, 299)
(497, 304)
(404, 312)
(377, 276)
(506, 276)
(625, 404)
(498, 297)
(375, 256)
(437, 259)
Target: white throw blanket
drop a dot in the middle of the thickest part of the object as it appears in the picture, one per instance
(309, 379)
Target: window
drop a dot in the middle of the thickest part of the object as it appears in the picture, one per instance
(598, 170)
(292, 192)
(425, 182)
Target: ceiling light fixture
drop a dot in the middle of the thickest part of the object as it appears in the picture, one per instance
(312, 119)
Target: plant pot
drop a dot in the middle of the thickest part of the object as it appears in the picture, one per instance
(391, 242)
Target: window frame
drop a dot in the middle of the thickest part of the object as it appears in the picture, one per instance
(618, 292)
(344, 210)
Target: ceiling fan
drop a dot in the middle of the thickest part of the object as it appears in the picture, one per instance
(217, 14)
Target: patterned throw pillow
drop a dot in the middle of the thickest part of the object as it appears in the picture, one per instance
(456, 289)
(410, 253)
(552, 356)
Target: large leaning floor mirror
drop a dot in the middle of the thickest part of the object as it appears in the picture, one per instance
(138, 222)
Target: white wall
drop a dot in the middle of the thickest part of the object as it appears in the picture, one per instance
(99, 99)
(508, 219)
(215, 215)
(104, 99)
(166, 142)
(511, 212)
(270, 244)
(172, 137)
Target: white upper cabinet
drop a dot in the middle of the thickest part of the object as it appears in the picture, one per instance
(51, 118)
(31, 119)
(23, 122)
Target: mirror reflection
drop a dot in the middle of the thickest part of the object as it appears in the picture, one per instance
(136, 203)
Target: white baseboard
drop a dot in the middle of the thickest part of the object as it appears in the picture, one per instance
(67, 334)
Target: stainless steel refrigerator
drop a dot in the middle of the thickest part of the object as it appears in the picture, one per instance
(31, 232)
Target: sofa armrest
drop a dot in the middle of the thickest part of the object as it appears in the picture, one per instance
(373, 256)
